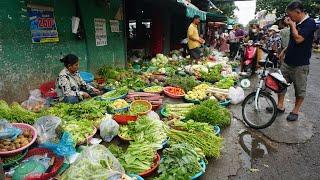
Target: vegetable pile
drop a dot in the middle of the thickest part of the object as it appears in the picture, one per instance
(211, 112)
(16, 113)
(186, 83)
(145, 130)
(119, 104)
(154, 98)
(153, 89)
(22, 140)
(79, 130)
(159, 61)
(176, 91)
(225, 83)
(116, 93)
(213, 75)
(198, 93)
(139, 157)
(177, 110)
(180, 161)
(205, 140)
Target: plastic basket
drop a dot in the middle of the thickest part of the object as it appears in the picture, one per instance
(203, 170)
(14, 160)
(225, 102)
(142, 102)
(86, 76)
(124, 119)
(166, 92)
(23, 127)
(136, 176)
(155, 165)
(58, 162)
(47, 89)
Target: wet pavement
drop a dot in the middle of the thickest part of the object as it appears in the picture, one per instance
(285, 150)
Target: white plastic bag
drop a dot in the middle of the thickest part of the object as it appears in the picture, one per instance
(153, 115)
(108, 129)
(46, 128)
(236, 95)
(35, 102)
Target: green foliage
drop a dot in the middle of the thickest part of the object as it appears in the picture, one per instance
(227, 7)
(187, 83)
(312, 6)
(180, 161)
(211, 112)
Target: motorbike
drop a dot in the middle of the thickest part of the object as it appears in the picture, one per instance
(248, 62)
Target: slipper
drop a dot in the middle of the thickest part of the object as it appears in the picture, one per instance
(280, 111)
(292, 117)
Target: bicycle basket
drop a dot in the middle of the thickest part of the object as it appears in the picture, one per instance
(275, 84)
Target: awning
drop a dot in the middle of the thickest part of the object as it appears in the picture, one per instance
(215, 17)
(192, 10)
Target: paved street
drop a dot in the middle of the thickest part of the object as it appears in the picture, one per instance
(285, 150)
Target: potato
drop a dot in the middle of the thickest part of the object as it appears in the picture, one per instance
(20, 136)
(6, 142)
(17, 145)
(3, 150)
(24, 143)
(23, 140)
(16, 141)
(30, 139)
(1, 146)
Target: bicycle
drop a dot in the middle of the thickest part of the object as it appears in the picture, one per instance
(264, 110)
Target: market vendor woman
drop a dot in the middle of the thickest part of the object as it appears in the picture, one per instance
(70, 87)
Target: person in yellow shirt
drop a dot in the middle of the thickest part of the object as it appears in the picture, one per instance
(194, 40)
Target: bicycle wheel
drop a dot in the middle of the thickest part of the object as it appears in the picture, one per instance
(259, 118)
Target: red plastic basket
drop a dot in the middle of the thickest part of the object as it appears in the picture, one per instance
(58, 162)
(48, 89)
(155, 165)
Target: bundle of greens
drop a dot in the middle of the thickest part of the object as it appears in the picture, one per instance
(145, 130)
(187, 83)
(16, 113)
(211, 112)
(139, 157)
(116, 73)
(79, 129)
(198, 136)
(116, 93)
(180, 162)
(91, 110)
(225, 83)
(213, 75)
(135, 83)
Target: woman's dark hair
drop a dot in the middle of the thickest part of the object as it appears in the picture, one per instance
(69, 60)
(295, 5)
(195, 17)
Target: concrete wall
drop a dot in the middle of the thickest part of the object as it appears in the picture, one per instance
(23, 65)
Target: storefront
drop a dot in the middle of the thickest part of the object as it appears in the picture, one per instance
(25, 65)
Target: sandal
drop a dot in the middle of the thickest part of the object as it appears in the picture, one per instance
(292, 117)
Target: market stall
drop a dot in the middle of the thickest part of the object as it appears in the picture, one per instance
(148, 119)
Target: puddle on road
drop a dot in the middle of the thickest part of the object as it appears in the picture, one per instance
(254, 146)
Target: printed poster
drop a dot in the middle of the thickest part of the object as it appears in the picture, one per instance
(100, 32)
(115, 26)
(42, 24)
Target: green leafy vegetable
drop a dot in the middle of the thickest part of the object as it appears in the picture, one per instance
(205, 140)
(187, 83)
(213, 75)
(16, 113)
(79, 129)
(225, 83)
(180, 162)
(138, 157)
(210, 112)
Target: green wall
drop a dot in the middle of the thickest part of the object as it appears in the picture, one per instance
(23, 65)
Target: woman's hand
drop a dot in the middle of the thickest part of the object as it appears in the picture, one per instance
(85, 95)
(95, 90)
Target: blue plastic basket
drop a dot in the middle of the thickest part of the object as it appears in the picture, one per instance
(86, 76)
(217, 130)
(136, 176)
(203, 170)
(225, 103)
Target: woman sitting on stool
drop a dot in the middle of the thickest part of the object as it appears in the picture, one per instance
(70, 87)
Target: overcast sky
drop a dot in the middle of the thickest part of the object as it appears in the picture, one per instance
(246, 11)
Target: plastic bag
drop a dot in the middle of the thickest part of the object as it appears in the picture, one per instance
(64, 148)
(100, 161)
(153, 115)
(108, 129)
(236, 95)
(46, 128)
(35, 102)
(7, 131)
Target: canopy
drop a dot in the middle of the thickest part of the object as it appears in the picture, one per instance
(192, 10)
(215, 17)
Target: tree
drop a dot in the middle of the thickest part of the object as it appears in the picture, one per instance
(312, 6)
(227, 7)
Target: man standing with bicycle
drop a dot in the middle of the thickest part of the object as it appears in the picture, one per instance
(296, 57)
